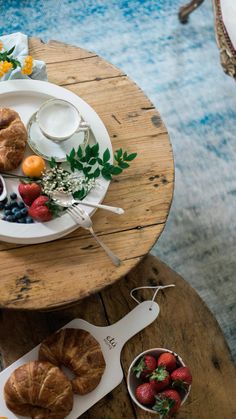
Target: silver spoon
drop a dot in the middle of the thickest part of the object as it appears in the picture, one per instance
(4, 189)
(66, 200)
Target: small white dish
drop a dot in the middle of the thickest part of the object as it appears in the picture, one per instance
(3, 189)
(46, 148)
(133, 381)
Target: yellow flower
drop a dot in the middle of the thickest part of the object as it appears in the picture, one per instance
(29, 59)
(5, 66)
(28, 66)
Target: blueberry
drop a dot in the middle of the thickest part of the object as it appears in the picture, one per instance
(13, 204)
(4, 218)
(21, 220)
(2, 206)
(13, 195)
(24, 211)
(7, 212)
(21, 204)
(18, 215)
(9, 218)
(29, 220)
(15, 210)
(13, 217)
(7, 207)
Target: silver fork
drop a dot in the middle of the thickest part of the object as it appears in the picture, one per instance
(81, 217)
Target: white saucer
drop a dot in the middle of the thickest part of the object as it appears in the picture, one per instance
(46, 148)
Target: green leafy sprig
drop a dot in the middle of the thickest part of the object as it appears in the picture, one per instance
(6, 56)
(93, 165)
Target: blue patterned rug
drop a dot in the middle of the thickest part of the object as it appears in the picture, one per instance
(179, 69)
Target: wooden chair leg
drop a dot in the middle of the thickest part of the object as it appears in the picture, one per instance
(185, 11)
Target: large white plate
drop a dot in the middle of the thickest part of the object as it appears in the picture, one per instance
(25, 96)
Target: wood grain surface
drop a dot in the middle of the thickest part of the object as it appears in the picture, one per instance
(63, 271)
(184, 325)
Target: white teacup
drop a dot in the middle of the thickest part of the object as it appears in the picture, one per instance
(59, 120)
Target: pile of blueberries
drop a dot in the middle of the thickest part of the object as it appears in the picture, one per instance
(15, 211)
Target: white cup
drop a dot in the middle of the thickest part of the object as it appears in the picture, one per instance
(58, 120)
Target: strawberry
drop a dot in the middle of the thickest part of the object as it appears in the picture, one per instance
(29, 192)
(145, 394)
(39, 209)
(159, 379)
(167, 403)
(146, 365)
(168, 360)
(181, 377)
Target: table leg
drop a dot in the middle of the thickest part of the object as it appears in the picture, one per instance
(185, 11)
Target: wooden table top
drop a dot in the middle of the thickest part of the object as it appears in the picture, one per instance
(184, 325)
(58, 273)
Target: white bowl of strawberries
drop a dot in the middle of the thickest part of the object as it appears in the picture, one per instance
(159, 381)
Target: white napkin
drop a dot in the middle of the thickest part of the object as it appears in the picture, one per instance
(20, 52)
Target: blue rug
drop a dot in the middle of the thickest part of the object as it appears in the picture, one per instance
(179, 69)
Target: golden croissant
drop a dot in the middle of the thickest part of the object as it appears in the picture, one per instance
(80, 352)
(39, 390)
(13, 139)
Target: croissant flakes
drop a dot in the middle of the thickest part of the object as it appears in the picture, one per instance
(13, 139)
(39, 390)
(78, 350)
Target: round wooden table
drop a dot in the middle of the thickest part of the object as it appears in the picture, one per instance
(184, 325)
(54, 274)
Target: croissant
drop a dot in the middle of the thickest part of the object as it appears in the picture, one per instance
(13, 139)
(39, 390)
(80, 352)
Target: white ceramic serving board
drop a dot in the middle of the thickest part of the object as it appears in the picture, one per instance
(112, 339)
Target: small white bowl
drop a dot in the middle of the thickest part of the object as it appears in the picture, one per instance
(133, 381)
(3, 194)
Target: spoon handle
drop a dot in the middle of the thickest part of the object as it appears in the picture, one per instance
(116, 210)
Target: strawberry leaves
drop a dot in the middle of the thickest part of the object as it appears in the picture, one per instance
(93, 165)
(159, 374)
(139, 368)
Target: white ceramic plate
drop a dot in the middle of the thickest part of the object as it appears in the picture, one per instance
(26, 96)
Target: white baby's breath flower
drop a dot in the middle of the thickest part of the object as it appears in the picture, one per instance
(58, 179)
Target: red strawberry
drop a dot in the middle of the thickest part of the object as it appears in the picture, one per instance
(29, 192)
(146, 365)
(159, 379)
(181, 377)
(168, 360)
(167, 403)
(145, 394)
(39, 210)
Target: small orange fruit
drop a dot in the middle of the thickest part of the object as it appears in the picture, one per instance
(33, 166)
